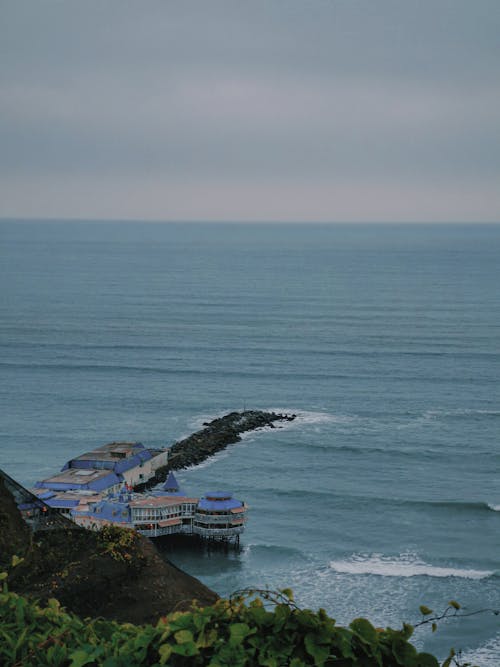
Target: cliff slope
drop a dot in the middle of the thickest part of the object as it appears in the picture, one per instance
(117, 574)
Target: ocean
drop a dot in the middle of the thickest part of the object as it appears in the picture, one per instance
(382, 495)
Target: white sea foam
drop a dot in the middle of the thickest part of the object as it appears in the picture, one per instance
(429, 417)
(460, 412)
(494, 508)
(404, 565)
(312, 417)
(303, 417)
(487, 655)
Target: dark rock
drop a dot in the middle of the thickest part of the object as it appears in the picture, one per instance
(15, 536)
(215, 437)
(93, 574)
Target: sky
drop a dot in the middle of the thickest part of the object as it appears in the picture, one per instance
(261, 110)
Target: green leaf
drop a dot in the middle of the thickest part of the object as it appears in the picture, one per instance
(181, 622)
(281, 614)
(434, 627)
(206, 638)
(20, 605)
(268, 662)
(16, 560)
(306, 619)
(238, 632)
(319, 652)
(187, 649)
(426, 660)
(260, 616)
(343, 643)
(21, 639)
(407, 630)
(365, 630)
(454, 604)
(403, 651)
(80, 658)
(184, 636)
(165, 652)
(448, 660)
(425, 611)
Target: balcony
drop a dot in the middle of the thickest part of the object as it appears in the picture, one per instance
(218, 518)
(217, 532)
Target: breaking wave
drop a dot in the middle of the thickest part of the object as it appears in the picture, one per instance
(404, 565)
(487, 655)
(461, 413)
(494, 508)
(312, 417)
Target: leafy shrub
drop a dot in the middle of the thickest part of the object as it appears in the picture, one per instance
(118, 543)
(236, 632)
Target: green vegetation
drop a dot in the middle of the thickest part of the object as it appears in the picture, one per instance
(236, 632)
(120, 544)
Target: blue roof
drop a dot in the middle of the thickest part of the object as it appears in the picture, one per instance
(45, 495)
(219, 500)
(120, 465)
(171, 487)
(112, 510)
(99, 484)
(61, 503)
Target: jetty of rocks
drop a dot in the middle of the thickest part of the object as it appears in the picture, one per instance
(214, 437)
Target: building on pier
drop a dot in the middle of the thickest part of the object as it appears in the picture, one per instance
(96, 489)
(166, 511)
(130, 461)
(219, 516)
(95, 474)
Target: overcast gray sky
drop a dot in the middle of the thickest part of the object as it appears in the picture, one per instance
(326, 110)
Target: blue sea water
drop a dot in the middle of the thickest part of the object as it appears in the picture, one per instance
(385, 340)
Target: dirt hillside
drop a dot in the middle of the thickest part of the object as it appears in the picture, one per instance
(117, 574)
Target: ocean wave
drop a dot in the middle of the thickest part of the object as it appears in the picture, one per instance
(404, 565)
(303, 417)
(493, 508)
(487, 655)
(474, 506)
(386, 502)
(460, 413)
(453, 505)
(306, 417)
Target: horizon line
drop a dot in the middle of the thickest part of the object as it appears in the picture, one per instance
(213, 221)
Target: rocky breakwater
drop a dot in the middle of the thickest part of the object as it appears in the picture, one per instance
(216, 436)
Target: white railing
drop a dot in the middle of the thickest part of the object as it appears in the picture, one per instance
(217, 532)
(158, 531)
(218, 518)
